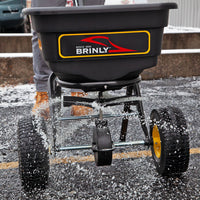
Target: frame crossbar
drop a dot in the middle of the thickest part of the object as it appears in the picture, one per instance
(115, 145)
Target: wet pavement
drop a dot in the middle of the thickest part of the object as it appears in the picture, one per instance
(132, 177)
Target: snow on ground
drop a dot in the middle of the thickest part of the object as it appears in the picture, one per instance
(16, 55)
(21, 95)
(175, 29)
(11, 96)
(15, 34)
(179, 51)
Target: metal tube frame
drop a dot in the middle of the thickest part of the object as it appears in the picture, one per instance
(115, 145)
(132, 93)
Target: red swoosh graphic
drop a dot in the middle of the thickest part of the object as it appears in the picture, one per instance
(118, 48)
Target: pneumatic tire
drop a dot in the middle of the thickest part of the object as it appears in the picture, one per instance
(170, 149)
(33, 153)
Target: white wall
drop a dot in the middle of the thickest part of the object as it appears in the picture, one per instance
(116, 2)
(187, 14)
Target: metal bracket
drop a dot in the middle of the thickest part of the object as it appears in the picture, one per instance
(82, 101)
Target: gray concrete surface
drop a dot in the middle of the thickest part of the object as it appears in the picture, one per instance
(15, 70)
(174, 64)
(16, 43)
(181, 41)
(18, 68)
(133, 178)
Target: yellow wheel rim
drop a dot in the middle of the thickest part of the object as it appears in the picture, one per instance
(156, 141)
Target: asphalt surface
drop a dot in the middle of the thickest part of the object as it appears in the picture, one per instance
(133, 176)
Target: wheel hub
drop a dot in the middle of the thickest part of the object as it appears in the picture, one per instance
(156, 141)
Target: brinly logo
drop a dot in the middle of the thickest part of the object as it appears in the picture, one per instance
(106, 47)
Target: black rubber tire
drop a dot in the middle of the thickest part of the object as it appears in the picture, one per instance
(102, 141)
(33, 153)
(174, 157)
